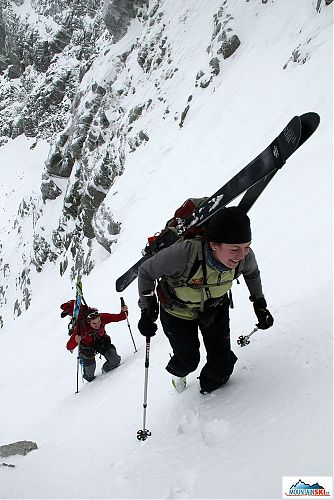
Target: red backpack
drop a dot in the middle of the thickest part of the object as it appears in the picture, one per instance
(67, 310)
(169, 234)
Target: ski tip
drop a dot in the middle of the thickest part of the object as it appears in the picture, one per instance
(310, 122)
(311, 116)
(123, 282)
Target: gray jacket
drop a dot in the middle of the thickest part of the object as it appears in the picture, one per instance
(172, 261)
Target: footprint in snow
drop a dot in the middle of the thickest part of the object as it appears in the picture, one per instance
(178, 492)
(185, 487)
(215, 432)
(188, 422)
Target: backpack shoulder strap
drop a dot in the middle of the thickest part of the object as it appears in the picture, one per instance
(238, 270)
(196, 258)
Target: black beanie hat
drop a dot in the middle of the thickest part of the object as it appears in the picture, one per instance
(229, 225)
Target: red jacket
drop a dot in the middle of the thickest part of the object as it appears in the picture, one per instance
(85, 330)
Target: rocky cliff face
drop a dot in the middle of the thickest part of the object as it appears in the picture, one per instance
(51, 88)
(44, 52)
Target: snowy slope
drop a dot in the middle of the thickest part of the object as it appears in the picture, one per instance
(274, 418)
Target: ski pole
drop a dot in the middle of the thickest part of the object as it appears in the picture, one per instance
(127, 320)
(78, 363)
(243, 340)
(143, 433)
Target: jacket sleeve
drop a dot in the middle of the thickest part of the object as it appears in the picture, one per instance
(112, 318)
(251, 274)
(171, 261)
(71, 344)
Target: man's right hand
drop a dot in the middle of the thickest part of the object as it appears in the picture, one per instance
(77, 338)
(146, 324)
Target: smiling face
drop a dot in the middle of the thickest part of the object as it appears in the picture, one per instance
(230, 254)
(95, 323)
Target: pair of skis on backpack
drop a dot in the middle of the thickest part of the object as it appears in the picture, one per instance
(251, 180)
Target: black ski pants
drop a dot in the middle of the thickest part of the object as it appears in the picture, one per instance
(182, 334)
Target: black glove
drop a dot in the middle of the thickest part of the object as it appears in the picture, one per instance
(149, 315)
(152, 305)
(146, 324)
(263, 315)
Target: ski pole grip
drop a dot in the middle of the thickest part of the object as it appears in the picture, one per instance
(122, 302)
